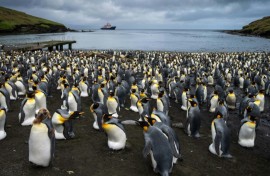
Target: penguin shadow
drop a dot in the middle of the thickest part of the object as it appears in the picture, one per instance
(38, 167)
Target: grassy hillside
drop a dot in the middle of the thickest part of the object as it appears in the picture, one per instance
(12, 21)
(259, 27)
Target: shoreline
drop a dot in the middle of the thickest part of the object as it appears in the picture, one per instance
(238, 32)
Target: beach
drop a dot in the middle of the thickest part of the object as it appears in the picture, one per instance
(88, 153)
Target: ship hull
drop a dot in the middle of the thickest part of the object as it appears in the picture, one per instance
(111, 28)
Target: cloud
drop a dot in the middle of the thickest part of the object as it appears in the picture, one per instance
(146, 14)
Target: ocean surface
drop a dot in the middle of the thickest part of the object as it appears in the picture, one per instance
(165, 40)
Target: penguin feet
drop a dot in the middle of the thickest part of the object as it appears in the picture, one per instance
(229, 156)
(71, 135)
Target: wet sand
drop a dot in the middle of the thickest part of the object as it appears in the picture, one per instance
(88, 153)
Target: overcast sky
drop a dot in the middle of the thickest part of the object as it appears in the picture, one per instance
(146, 14)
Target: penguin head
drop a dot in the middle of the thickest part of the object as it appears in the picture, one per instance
(162, 90)
(102, 85)
(106, 117)
(230, 91)
(252, 118)
(160, 95)
(151, 120)
(219, 115)
(41, 115)
(144, 100)
(249, 109)
(133, 90)
(30, 94)
(111, 92)
(74, 114)
(145, 125)
(221, 102)
(192, 96)
(261, 91)
(192, 102)
(94, 106)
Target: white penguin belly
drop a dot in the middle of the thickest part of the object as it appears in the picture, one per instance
(231, 101)
(212, 148)
(116, 137)
(58, 126)
(39, 145)
(3, 134)
(9, 89)
(40, 101)
(210, 81)
(101, 97)
(241, 85)
(262, 100)
(72, 104)
(83, 88)
(154, 91)
(20, 87)
(3, 101)
(214, 104)
(95, 124)
(29, 111)
(184, 102)
(160, 106)
(154, 163)
(133, 103)
(247, 136)
(112, 105)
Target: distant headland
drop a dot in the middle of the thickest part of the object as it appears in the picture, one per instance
(260, 28)
(16, 22)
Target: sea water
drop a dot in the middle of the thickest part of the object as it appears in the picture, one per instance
(165, 40)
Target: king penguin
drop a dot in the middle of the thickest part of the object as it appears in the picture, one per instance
(171, 135)
(42, 140)
(12, 89)
(113, 104)
(4, 98)
(162, 104)
(261, 98)
(120, 92)
(74, 101)
(84, 87)
(27, 110)
(98, 110)
(154, 89)
(21, 87)
(115, 132)
(143, 107)
(193, 121)
(157, 145)
(231, 100)
(185, 103)
(213, 101)
(161, 117)
(220, 137)
(247, 133)
(62, 122)
(40, 98)
(3, 117)
(134, 98)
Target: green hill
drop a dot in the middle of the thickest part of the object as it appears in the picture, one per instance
(15, 22)
(259, 27)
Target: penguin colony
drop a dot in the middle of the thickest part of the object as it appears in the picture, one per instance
(149, 81)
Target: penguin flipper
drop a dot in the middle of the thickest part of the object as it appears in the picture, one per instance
(147, 147)
(22, 111)
(169, 134)
(217, 142)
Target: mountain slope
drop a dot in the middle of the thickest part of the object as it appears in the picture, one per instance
(259, 27)
(16, 22)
